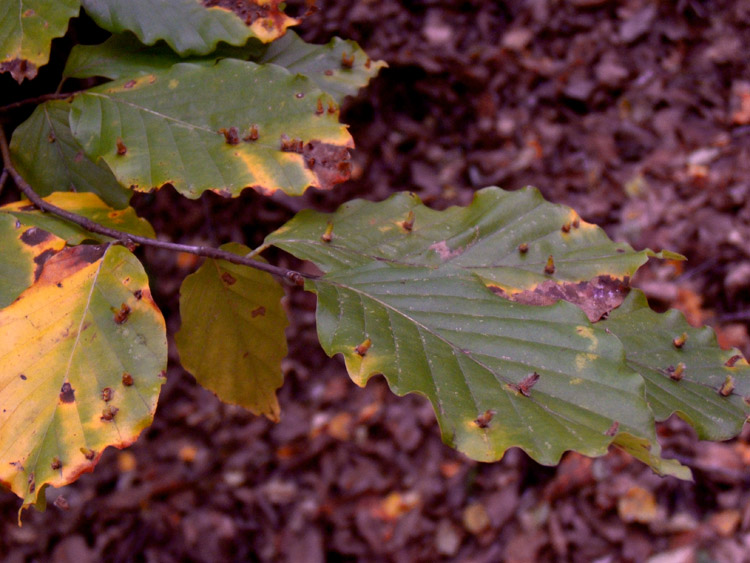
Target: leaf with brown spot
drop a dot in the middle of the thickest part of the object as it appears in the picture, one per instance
(171, 128)
(682, 380)
(232, 337)
(27, 28)
(190, 27)
(59, 334)
(23, 254)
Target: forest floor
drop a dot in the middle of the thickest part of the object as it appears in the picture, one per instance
(637, 114)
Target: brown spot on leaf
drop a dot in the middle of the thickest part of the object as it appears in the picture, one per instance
(484, 419)
(258, 312)
(231, 135)
(329, 163)
(107, 394)
(676, 373)
(319, 108)
(129, 84)
(67, 393)
(252, 134)
(23, 377)
(525, 385)
(122, 314)
(121, 148)
(51, 137)
(40, 260)
(127, 379)
(138, 294)
(679, 341)
(565, 228)
(19, 69)
(595, 298)
(34, 236)
(251, 11)
(56, 463)
(523, 248)
(446, 253)
(612, 430)
(549, 267)
(408, 223)
(108, 413)
(727, 387)
(576, 223)
(733, 360)
(17, 465)
(228, 278)
(32, 483)
(291, 145)
(347, 59)
(362, 349)
(88, 453)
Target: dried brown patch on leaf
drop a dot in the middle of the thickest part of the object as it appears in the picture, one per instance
(70, 260)
(596, 298)
(19, 69)
(330, 163)
(264, 17)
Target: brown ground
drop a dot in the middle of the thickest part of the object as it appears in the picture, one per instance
(636, 113)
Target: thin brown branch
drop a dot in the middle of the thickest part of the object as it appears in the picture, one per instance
(130, 240)
(3, 178)
(37, 100)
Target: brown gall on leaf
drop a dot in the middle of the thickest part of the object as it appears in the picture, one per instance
(127, 379)
(258, 312)
(51, 137)
(19, 69)
(228, 278)
(347, 60)
(595, 298)
(576, 223)
(727, 387)
(23, 377)
(549, 267)
(733, 360)
(88, 453)
(121, 148)
(138, 294)
(565, 228)
(31, 482)
(56, 464)
(330, 163)
(612, 430)
(231, 135)
(362, 349)
(523, 248)
(122, 315)
(319, 108)
(291, 145)
(108, 413)
(107, 394)
(295, 278)
(327, 236)
(484, 419)
(525, 385)
(676, 373)
(408, 223)
(252, 134)
(67, 393)
(679, 341)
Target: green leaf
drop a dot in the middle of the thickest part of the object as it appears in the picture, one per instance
(82, 352)
(123, 56)
(195, 127)
(232, 336)
(339, 68)
(504, 237)
(45, 137)
(27, 28)
(191, 27)
(24, 250)
(686, 380)
(442, 334)
(85, 204)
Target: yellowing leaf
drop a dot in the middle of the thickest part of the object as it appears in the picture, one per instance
(232, 336)
(85, 204)
(82, 354)
(24, 252)
(27, 28)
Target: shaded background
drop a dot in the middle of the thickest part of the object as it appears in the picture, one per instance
(636, 113)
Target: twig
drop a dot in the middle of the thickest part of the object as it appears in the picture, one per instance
(3, 178)
(129, 240)
(37, 100)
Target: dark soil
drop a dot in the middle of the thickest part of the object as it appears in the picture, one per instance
(636, 113)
